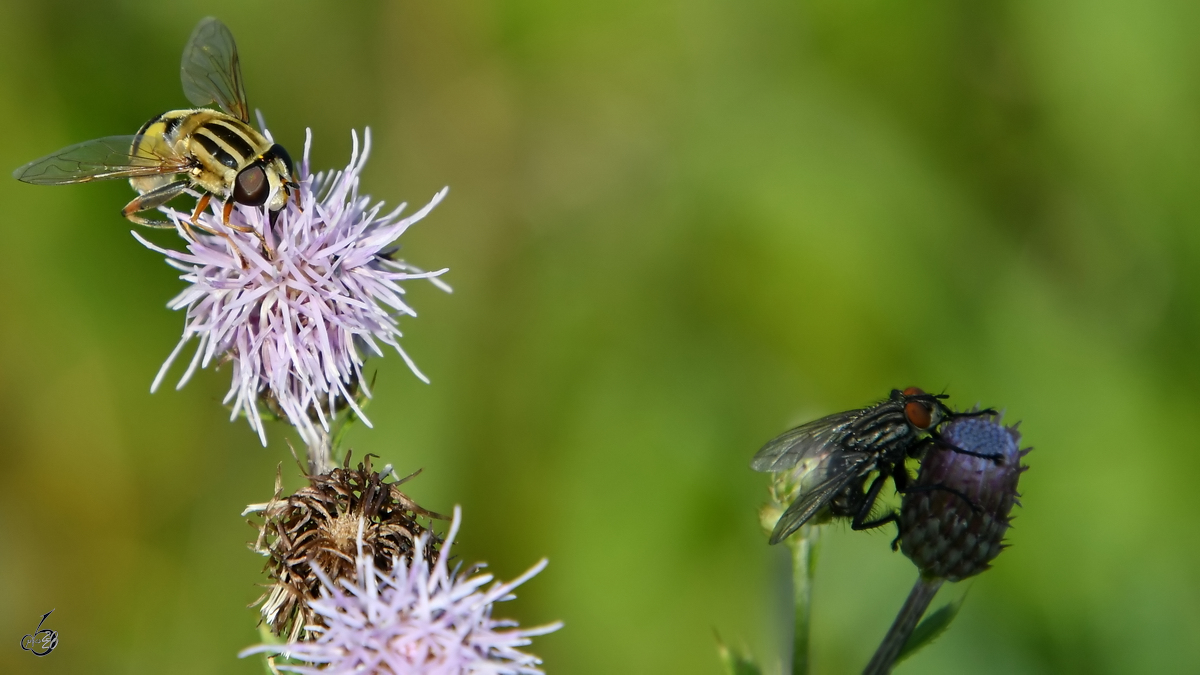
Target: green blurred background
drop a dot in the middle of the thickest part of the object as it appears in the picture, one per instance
(674, 229)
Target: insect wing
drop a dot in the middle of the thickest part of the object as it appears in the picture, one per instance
(830, 478)
(813, 440)
(104, 158)
(210, 70)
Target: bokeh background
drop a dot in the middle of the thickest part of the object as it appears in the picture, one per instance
(674, 229)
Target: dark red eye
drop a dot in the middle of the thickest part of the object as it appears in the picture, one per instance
(251, 186)
(919, 415)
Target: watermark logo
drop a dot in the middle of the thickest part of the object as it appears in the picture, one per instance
(41, 641)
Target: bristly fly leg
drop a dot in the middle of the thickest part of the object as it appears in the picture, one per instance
(996, 457)
(943, 488)
(975, 413)
(153, 199)
(860, 521)
(901, 479)
(903, 490)
(930, 488)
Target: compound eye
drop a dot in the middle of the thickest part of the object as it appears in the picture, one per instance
(919, 415)
(914, 391)
(251, 186)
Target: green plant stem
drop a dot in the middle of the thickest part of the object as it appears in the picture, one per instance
(804, 564)
(914, 608)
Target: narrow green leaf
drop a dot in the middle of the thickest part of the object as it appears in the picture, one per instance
(930, 629)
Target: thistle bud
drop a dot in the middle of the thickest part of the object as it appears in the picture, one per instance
(953, 519)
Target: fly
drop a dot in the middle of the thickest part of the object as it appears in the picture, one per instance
(837, 454)
(202, 151)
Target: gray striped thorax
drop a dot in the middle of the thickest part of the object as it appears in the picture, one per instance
(879, 429)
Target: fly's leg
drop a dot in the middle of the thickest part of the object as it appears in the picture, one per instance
(974, 413)
(200, 206)
(919, 448)
(904, 488)
(943, 488)
(225, 213)
(153, 199)
(860, 521)
(935, 437)
(161, 195)
(994, 456)
(901, 478)
(878, 522)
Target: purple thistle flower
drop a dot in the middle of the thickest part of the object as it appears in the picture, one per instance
(953, 519)
(295, 319)
(416, 619)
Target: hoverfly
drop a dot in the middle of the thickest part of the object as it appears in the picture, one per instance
(838, 452)
(216, 153)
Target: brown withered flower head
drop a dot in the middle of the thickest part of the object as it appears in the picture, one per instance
(953, 519)
(320, 524)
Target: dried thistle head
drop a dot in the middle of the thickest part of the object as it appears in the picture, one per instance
(319, 524)
(421, 617)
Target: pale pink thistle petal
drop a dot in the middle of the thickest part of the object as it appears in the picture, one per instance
(293, 323)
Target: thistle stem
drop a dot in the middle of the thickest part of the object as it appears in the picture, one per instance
(906, 622)
(804, 564)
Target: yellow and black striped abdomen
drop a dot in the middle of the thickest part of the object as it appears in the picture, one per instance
(227, 141)
(164, 125)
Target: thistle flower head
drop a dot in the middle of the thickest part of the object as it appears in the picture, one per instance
(785, 488)
(953, 519)
(322, 526)
(416, 618)
(294, 311)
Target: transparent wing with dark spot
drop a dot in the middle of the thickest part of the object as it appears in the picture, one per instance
(813, 440)
(210, 70)
(105, 158)
(828, 479)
